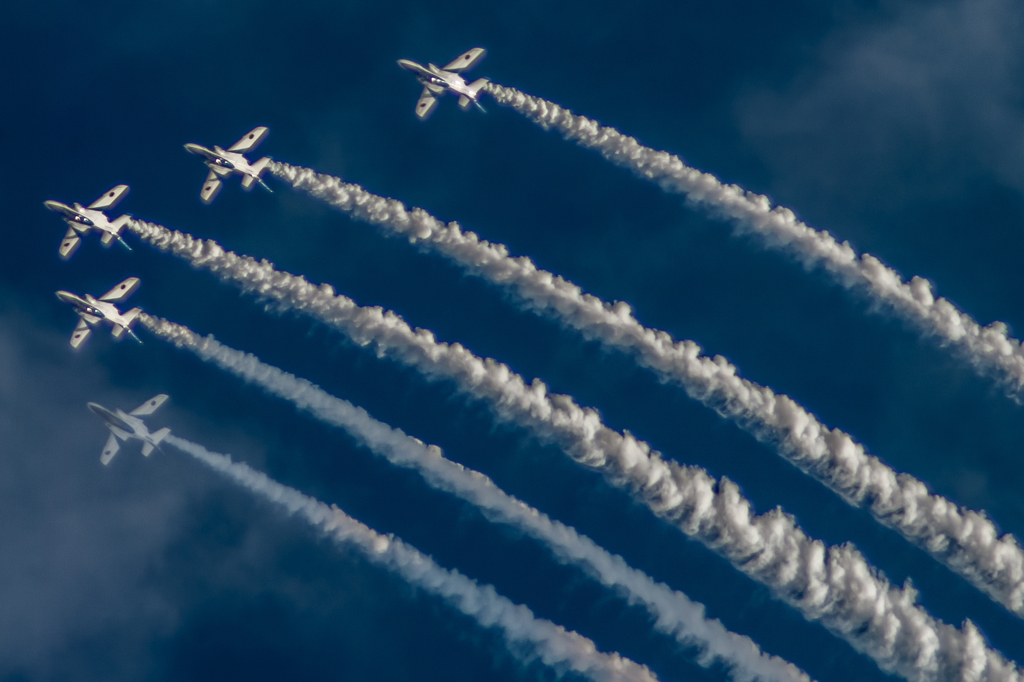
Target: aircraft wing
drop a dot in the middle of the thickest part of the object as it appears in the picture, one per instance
(122, 290)
(80, 334)
(467, 60)
(110, 449)
(70, 244)
(111, 198)
(426, 104)
(250, 141)
(210, 188)
(150, 406)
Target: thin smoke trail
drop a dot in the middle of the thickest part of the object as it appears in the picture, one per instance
(555, 646)
(990, 349)
(672, 611)
(965, 540)
(834, 585)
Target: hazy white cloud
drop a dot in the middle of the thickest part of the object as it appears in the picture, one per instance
(913, 105)
(78, 538)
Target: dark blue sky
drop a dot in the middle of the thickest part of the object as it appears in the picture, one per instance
(896, 125)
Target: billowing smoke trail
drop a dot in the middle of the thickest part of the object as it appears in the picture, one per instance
(672, 611)
(963, 539)
(834, 585)
(990, 349)
(555, 646)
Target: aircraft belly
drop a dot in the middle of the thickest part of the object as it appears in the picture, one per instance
(120, 433)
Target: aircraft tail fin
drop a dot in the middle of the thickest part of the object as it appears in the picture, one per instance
(249, 180)
(157, 437)
(129, 318)
(474, 90)
(118, 225)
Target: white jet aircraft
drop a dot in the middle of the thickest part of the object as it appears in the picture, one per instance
(81, 219)
(128, 426)
(438, 81)
(223, 163)
(92, 311)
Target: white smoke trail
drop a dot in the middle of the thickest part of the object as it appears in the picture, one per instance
(561, 649)
(965, 540)
(834, 585)
(991, 350)
(673, 612)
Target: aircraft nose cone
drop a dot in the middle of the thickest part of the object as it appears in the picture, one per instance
(65, 296)
(405, 64)
(95, 408)
(194, 148)
(52, 205)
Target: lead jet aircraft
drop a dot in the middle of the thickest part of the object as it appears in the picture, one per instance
(128, 426)
(91, 311)
(82, 219)
(223, 163)
(438, 81)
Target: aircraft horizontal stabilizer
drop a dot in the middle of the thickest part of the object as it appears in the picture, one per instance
(110, 449)
(120, 222)
(129, 317)
(157, 437)
(108, 238)
(249, 180)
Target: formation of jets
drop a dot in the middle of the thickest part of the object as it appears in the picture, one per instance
(223, 163)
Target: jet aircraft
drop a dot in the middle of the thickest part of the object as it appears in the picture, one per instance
(82, 219)
(128, 426)
(91, 311)
(223, 163)
(438, 81)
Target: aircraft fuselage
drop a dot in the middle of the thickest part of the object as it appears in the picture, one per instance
(223, 162)
(438, 80)
(83, 219)
(92, 309)
(127, 425)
